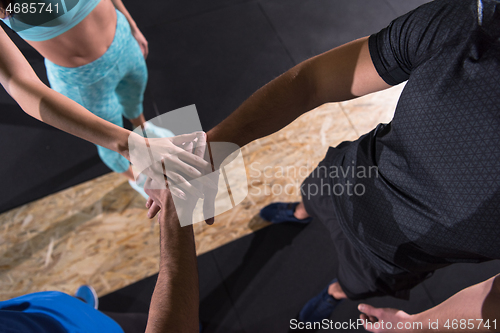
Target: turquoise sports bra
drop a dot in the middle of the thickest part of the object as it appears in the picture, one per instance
(46, 19)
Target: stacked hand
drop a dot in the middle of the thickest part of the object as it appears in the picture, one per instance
(190, 168)
(173, 158)
(193, 149)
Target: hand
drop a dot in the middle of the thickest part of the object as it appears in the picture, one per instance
(157, 198)
(221, 155)
(171, 157)
(143, 43)
(186, 203)
(390, 320)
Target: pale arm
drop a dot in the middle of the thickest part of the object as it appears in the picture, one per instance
(143, 43)
(340, 74)
(43, 103)
(480, 302)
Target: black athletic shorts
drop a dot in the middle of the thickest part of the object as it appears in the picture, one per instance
(358, 278)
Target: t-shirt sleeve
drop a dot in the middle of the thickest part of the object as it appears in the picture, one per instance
(412, 38)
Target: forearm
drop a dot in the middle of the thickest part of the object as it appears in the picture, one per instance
(45, 104)
(175, 302)
(340, 74)
(268, 110)
(473, 305)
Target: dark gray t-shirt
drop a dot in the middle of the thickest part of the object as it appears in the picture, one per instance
(436, 197)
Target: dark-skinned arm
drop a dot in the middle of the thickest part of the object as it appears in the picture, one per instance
(175, 302)
(338, 75)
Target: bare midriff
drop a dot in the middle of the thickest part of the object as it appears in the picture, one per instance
(85, 42)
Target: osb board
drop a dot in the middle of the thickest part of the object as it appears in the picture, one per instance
(97, 232)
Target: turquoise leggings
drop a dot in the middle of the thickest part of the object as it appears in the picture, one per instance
(110, 87)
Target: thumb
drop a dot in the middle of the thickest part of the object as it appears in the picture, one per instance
(368, 310)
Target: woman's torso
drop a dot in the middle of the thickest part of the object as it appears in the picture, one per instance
(83, 43)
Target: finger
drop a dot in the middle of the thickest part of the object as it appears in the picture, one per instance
(201, 145)
(187, 170)
(156, 178)
(153, 210)
(368, 310)
(148, 185)
(179, 139)
(188, 146)
(191, 192)
(149, 202)
(364, 318)
(177, 180)
(177, 192)
(190, 173)
(196, 161)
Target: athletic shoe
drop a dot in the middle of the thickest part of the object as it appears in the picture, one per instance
(319, 307)
(153, 131)
(138, 185)
(279, 212)
(88, 295)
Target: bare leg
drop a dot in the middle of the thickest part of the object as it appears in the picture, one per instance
(300, 212)
(129, 174)
(336, 291)
(138, 121)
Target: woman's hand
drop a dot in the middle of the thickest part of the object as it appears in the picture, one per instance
(141, 40)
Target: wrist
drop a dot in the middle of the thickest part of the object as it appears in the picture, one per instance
(122, 144)
(133, 26)
(418, 318)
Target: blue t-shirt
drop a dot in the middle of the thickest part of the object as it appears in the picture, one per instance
(53, 312)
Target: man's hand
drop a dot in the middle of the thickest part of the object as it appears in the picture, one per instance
(141, 40)
(158, 198)
(383, 316)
